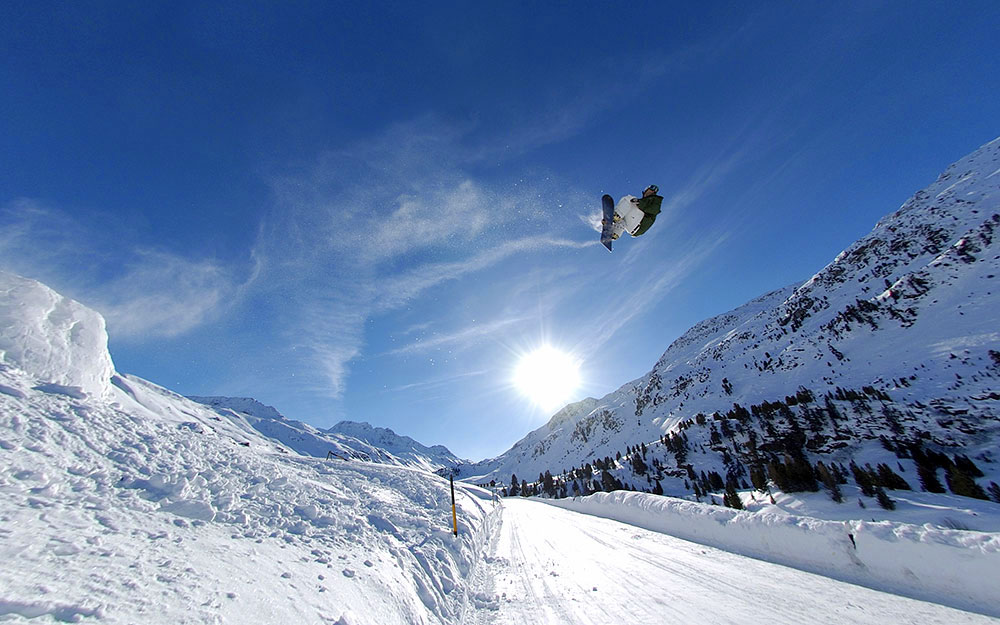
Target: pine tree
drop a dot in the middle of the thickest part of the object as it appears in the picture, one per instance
(758, 479)
(927, 466)
(829, 482)
(548, 485)
(929, 481)
(513, 486)
(961, 483)
(609, 482)
(884, 500)
(968, 466)
(890, 479)
(802, 474)
(732, 498)
(832, 412)
(994, 491)
(716, 480)
(638, 465)
(863, 480)
(776, 473)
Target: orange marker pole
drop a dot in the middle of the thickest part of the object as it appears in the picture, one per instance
(454, 516)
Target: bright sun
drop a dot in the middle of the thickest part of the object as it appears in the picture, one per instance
(548, 377)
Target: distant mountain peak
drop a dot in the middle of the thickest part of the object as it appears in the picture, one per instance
(347, 439)
(245, 405)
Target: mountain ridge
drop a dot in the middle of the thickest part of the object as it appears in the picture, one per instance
(346, 439)
(903, 310)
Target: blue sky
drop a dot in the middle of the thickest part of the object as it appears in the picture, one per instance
(372, 212)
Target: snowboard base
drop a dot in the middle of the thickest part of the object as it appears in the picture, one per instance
(608, 223)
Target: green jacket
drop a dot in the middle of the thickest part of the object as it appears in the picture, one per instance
(651, 206)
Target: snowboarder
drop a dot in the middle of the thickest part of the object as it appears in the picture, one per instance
(636, 215)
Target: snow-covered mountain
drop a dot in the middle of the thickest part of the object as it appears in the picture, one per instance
(905, 318)
(123, 502)
(396, 446)
(346, 439)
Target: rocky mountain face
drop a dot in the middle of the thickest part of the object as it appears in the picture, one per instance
(347, 439)
(895, 344)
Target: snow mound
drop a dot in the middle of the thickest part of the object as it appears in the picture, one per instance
(52, 338)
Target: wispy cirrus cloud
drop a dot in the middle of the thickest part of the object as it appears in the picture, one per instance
(437, 383)
(163, 294)
(141, 291)
(397, 290)
(624, 306)
(367, 229)
(462, 338)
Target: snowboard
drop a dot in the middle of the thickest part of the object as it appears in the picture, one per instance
(608, 206)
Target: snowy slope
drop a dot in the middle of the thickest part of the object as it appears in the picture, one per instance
(908, 310)
(347, 439)
(122, 502)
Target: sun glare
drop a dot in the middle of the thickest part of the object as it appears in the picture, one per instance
(548, 377)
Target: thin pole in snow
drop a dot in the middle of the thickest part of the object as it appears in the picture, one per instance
(454, 515)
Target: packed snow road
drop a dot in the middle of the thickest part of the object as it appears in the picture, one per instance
(551, 565)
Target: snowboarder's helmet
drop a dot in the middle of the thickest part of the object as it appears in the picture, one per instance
(653, 188)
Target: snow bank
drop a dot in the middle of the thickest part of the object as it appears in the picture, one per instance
(145, 507)
(951, 567)
(52, 338)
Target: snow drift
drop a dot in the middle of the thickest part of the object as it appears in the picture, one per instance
(53, 339)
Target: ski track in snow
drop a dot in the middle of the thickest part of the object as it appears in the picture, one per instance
(553, 566)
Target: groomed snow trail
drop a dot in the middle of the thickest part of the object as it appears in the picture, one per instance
(556, 566)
